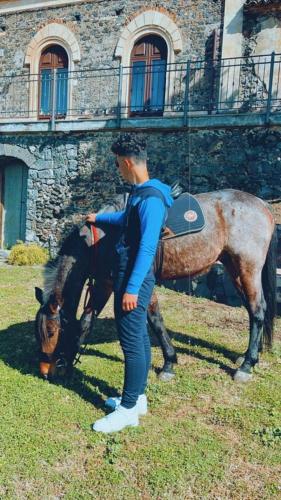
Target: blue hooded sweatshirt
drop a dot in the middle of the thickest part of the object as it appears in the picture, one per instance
(152, 214)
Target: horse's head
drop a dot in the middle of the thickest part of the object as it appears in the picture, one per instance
(48, 328)
(57, 336)
(58, 332)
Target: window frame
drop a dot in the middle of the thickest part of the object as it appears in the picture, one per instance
(148, 58)
(52, 34)
(51, 68)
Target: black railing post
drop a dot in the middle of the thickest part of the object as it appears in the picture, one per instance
(211, 85)
(270, 83)
(119, 105)
(186, 95)
(28, 96)
(54, 98)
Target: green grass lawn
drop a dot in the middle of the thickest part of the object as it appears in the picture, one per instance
(204, 437)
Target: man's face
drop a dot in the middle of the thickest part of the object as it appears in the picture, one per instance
(123, 165)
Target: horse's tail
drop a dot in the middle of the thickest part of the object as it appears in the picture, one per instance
(269, 289)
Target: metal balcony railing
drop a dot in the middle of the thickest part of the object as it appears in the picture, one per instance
(183, 89)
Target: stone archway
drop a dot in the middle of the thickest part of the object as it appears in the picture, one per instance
(149, 22)
(52, 34)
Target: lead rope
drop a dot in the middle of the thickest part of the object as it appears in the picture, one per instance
(88, 301)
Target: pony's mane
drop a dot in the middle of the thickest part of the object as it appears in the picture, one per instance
(56, 270)
(41, 328)
(50, 274)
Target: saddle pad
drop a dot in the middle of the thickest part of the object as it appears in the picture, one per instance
(185, 216)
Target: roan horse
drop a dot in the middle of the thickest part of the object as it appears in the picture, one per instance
(239, 232)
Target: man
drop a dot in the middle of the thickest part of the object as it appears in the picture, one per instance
(134, 279)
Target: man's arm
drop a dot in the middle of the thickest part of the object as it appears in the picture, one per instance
(115, 218)
(151, 212)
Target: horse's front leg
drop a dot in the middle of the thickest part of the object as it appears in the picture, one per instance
(155, 321)
(101, 292)
(240, 360)
(256, 311)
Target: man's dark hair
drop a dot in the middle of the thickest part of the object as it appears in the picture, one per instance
(130, 145)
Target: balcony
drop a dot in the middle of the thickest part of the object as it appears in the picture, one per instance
(234, 91)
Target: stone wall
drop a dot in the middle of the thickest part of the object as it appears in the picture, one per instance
(261, 37)
(70, 175)
(98, 25)
(96, 28)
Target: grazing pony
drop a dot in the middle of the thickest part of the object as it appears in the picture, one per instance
(58, 332)
(239, 231)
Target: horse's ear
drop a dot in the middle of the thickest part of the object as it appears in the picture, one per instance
(39, 295)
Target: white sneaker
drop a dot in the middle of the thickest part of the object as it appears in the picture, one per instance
(117, 420)
(113, 403)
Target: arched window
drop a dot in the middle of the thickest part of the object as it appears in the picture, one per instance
(148, 76)
(53, 70)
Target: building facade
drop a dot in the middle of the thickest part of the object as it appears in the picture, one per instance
(201, 78)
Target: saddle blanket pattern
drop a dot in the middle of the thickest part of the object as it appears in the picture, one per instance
(185, 216)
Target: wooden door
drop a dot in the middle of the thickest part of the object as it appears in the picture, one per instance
(14, 201)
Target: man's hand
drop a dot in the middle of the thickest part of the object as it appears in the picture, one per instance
(90, 218)
(129, 302)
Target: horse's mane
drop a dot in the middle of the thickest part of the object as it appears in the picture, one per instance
(56, 270)
(49, 274)
(41, 328)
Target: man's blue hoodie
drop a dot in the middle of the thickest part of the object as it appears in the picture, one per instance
(152, 213)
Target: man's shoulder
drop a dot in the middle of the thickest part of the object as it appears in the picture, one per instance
(149, 191)
(153, 205)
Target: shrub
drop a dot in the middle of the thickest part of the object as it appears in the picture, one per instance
(23, 254)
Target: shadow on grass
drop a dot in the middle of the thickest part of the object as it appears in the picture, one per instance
(102, 355)
(196, 342)
(19, 350)
(191, 342)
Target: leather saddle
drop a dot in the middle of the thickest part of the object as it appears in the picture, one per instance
(185, 215)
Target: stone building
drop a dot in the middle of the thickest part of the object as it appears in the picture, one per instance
(200, 77)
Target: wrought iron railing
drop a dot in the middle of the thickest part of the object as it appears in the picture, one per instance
(183, 89)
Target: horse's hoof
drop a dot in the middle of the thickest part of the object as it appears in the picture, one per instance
(242, 377)
(240, 360)
(166, 376)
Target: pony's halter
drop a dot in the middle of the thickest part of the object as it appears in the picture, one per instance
(54, 317)
(50, 357)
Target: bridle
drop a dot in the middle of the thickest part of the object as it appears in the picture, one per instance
(52, 357)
